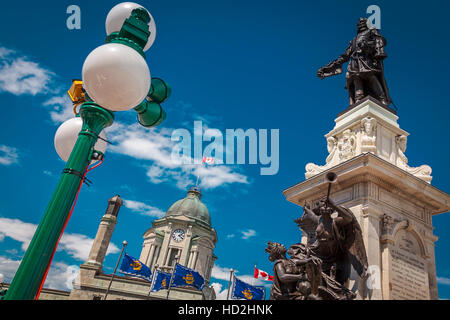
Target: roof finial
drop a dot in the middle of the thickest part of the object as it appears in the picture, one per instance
(196, 190)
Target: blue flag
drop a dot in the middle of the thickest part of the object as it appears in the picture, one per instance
(187, 277)
(134, 267)
(242, 290)
(162, 281)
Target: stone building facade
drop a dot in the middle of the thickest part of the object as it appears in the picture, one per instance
(184, 234)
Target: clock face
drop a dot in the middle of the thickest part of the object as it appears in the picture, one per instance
(178, 235)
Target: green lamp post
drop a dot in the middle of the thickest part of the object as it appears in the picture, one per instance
(115, 78)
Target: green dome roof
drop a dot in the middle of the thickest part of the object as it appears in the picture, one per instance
(191, 207)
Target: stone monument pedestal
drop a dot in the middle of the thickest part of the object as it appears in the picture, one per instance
(393, 203)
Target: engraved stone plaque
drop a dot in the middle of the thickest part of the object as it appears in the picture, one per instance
(408, 277)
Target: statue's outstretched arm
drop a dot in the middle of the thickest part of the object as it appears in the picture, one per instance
(308, 223)
(335, 66)
(309, 214)
(302, 262)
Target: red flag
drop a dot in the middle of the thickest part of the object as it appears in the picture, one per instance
(260, 274)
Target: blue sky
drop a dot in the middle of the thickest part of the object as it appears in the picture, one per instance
(231, 64)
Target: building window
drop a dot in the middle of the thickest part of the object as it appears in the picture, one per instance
(173, 254)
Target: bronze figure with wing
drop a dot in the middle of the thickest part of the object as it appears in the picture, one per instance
(320, 268)
(337, 241)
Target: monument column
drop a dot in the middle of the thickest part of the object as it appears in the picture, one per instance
(104, 233)
(165, 245)
(150, 255)
(93, 266)
(187, 244)
(370, 224)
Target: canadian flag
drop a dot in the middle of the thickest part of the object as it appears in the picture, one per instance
(208, 160)
(260, 274)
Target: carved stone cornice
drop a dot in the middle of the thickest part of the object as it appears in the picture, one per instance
(369, 167)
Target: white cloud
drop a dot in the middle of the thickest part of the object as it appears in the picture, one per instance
(223, 273)
(248, 233)
(155, 146)
(19, 75)
(79, 245)
(8, 155)
(444, 281)
(76, 245)
(8, 268)
(143, 208)
(47, 173)
(229, 236)
(142, 143)
(220, 273)
(17, 230)
(4, 52)
(220, 294)
(214, 176)
(62, 108)
(60, 275)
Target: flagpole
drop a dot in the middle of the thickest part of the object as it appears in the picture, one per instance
(253, 279)
(196, 184)
(153, 280)
(204, 161)
(229, 283)
(171, 278)
(198, 175)
(124, 244)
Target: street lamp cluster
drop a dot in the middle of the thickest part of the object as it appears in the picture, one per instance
(115, 77)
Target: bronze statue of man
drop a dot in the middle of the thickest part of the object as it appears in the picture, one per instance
(365, 72)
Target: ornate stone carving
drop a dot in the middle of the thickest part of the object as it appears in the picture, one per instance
(313, 169)
(387, 224)
(339, 149)
(368, 135)
(347, 145)
(331, 146)
(423, 172)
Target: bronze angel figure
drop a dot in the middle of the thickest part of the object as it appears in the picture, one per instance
(336, 241)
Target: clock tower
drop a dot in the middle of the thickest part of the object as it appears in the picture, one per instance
(185, 233)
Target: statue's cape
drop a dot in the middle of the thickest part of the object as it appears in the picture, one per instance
(383, 83)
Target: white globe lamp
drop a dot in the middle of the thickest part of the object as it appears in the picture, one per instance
(117, 16)
(116, 77)
(67, 135)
